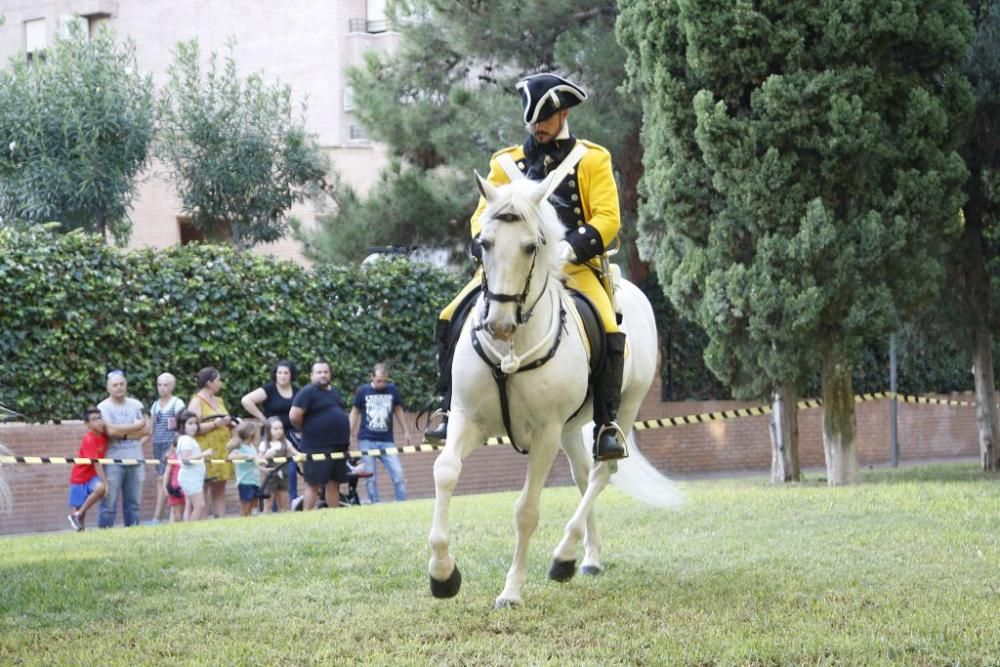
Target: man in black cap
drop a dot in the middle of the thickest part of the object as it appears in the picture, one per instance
(587, 204)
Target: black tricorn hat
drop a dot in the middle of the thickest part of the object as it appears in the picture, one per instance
(544, 94)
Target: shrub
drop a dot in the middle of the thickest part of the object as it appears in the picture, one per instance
(71, 308)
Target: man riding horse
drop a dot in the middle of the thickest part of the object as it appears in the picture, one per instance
(587, 204)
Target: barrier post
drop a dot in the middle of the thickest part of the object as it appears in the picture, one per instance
(894, 406)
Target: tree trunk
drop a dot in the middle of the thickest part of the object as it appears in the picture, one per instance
(979, 306)
(629, 166)
(987, 418)
(839, 446)
(784, 426)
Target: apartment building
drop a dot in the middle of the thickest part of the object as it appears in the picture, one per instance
(307, 44)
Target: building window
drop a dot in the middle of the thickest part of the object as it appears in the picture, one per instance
(95, 21)
(348, 98)
(375, 15)
(357, 133)
(69, 22)
(35, 39)
(188, 233)
(374, 20)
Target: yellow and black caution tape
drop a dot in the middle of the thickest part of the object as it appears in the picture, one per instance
(642, 425)
(313, 456)
(702, 418)
(706, 417)
(933, 401)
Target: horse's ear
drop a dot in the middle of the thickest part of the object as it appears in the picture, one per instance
(487, 189)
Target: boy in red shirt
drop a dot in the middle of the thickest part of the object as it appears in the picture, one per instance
(87, 482)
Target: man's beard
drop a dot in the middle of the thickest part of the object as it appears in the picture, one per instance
(545, 137)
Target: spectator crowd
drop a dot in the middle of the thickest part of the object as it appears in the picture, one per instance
(201, 446)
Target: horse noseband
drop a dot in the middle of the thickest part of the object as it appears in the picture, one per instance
(522, 315)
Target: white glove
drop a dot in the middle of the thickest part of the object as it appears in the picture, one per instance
(566, 252)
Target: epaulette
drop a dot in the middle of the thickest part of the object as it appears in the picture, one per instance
(509, 149)
(591, 144)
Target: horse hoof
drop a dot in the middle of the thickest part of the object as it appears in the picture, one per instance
(562, 570)
(501, 603)
(591, 570)
(449, 587)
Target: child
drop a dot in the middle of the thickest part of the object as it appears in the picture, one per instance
(192, 474)
(243, 450)
(163, 417)
(171, 486)
(87, 482)
(276, 443)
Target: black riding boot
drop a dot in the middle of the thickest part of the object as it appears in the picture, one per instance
(609, 442)
(444, 357)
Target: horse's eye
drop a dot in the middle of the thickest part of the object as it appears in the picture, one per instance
(486, 244)
(530, 248)
(508, 217)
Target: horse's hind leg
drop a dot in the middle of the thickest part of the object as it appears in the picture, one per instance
(583, 523)
(444, 574)
(526, 515)
(581, 465)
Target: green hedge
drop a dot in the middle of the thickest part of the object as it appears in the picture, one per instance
(72, 307)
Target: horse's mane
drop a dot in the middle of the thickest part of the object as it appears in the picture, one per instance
(540, 218)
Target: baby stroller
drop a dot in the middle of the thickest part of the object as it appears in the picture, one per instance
(356, 470)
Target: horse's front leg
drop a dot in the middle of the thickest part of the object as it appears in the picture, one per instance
(462, 439)
(543, 452)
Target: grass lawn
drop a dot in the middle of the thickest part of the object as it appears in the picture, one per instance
(902, 569)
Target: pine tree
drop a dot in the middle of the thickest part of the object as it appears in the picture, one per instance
(445, 101)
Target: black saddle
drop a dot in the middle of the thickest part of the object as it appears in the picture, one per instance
(593, 327)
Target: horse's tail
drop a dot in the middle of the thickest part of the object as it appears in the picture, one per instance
(639, 478)
(4, 486)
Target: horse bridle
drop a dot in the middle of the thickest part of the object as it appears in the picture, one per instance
(522, 316)
(499, 376)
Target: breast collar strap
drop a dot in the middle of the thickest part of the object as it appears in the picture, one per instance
(500, 377)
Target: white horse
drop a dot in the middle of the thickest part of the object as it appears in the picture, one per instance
(524, 315)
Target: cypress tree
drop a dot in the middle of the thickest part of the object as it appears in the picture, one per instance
(801, 178)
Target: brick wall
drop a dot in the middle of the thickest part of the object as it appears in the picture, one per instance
(925, 431)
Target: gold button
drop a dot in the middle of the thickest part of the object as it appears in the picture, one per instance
(580, 222)
(572, 184)
(577, 210)
(582, 230)
(575, 198)
(520, 165)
